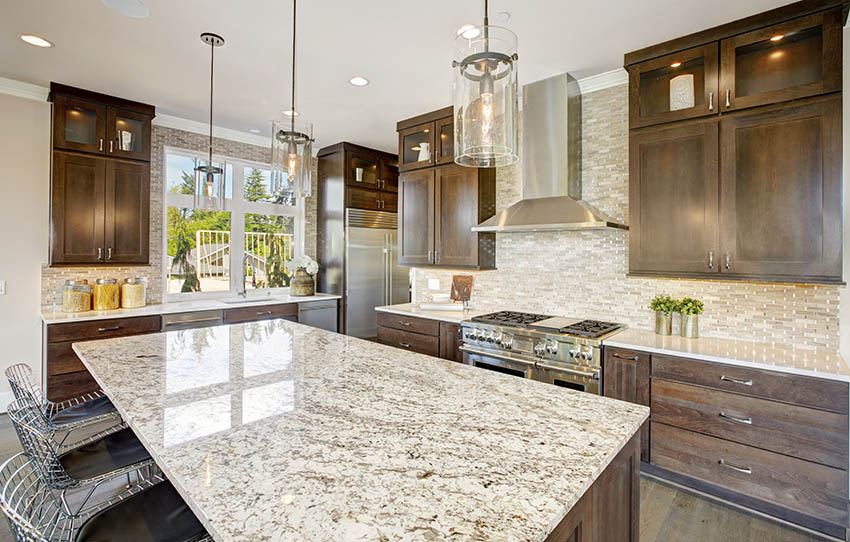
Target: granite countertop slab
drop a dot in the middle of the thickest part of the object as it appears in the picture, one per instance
(278, 431)
(412, 309)
(53, 316)
(817, 363)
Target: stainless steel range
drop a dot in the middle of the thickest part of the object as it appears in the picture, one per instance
(562, 351)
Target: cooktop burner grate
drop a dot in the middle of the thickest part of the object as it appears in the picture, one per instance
(590, 328)
(510, 318)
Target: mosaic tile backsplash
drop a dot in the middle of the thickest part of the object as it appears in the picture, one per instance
(52, 278)
(583, 274)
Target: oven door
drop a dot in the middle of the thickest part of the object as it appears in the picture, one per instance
(576, 378)
(497, 362)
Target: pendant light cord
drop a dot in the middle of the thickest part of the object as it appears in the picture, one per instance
(486, 26)
(292, 109)
(212, 66)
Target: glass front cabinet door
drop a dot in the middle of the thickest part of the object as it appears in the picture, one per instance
(79, 125)
(362, 170)
(129, 134)
(416, 147)
(675, 87)
(444, 134)
(782, 62)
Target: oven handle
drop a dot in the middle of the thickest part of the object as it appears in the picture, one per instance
(590, 374)
(510, 359)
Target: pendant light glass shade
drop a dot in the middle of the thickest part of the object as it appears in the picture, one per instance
(209, 177)
(292, 155)
(485, 97)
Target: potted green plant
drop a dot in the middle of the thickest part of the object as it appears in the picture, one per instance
(690, 309)
(664, 306)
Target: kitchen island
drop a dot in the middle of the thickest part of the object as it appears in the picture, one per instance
(277, 431)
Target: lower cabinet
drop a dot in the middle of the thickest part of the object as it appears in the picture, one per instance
(422, 335)
(285, 311)
(772, 441)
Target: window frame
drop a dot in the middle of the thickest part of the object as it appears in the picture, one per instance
(238, 207)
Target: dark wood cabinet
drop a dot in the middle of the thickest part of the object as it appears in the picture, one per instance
(754, 193)
(388, 179)
(374, 200)
(650, 86)
(100, 192)
(673, 199)
(444, 139)
(416, 218)
(284, 311)
(625, 376)
(423, 335)
(781, 192)
(362, 170)
(426, 140)
(450, 341)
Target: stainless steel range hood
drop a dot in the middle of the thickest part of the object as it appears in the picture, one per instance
(551, 165)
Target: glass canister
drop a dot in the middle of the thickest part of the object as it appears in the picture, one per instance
(132, 293)
(76, 296)
(106, 295)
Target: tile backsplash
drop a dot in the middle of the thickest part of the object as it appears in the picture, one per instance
(583, 274)
(52, 278)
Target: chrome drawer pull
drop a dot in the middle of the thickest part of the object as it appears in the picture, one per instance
(263, 313)
(745, 470)
(406, 345)
(736, 381)
(113, 328)
(404, 323)
(745, 421)
(629, 358)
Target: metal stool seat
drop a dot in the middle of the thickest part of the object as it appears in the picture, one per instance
(111, 453)
(157, 514)
(87, 410)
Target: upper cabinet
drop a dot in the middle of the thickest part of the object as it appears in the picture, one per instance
(100, 188)
(735, 170)
(426, 140)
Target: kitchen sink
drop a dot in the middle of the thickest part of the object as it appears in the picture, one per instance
(242, 301)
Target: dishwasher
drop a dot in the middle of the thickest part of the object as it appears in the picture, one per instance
(191, 320)
(320, 314)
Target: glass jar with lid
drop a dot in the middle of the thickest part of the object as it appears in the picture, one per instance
(106, 295)
(76, 296)
(133, 293)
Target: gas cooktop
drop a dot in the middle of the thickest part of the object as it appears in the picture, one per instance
(510, 318)
(589, 329)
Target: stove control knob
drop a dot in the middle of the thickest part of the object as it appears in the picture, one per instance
(540, 348)
(552, 347)
(491, 337)
(587, 355)
(497, 338)
(507, 341)
(474, 334)
(575, 352)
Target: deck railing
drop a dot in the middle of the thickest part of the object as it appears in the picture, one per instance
(212, 253)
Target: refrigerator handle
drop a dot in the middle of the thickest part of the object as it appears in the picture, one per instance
(387, 270)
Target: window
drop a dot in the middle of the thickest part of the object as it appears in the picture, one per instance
(244, 246)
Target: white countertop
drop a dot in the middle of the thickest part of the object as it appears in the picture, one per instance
(50, 316)
(278, 431)
(817, 363)
(411, 309)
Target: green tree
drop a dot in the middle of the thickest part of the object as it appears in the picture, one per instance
(255, 186)
(276, 267)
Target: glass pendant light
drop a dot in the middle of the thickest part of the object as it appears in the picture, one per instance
(209, 178)
(292, 145)
(485, 96)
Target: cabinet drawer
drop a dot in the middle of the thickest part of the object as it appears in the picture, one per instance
(416, 342)
(62, 360)
(812, 489)
(103, 329)
(361, 198)
(793, 430)
(788, 388)
(66, 386)
(407, 323)
(288, 311)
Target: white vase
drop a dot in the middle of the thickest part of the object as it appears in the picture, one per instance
(682, 92)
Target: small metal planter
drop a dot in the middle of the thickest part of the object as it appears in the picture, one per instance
(690, 326)
(663, 323)
(302, 284)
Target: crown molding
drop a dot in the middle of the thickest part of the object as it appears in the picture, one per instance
(23, 90)
(603, 80)
(169, 121)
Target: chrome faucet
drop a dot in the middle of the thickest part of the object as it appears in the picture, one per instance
(241, 291)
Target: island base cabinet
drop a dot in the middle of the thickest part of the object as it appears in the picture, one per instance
(609, 510)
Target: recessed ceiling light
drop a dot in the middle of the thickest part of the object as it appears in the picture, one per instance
(254, 131)
(290, 113)
(503, 15)
(38, 41)
(128, 8)
(468, 31)
(358, 81)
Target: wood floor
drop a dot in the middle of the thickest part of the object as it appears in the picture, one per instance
(667, 514)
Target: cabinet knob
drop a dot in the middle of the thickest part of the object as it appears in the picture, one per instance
(727, 260)
(711, 259)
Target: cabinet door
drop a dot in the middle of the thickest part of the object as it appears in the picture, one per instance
(781, 192)
(361, 170)
(416, 218)
(783, 62)
(445, 139)
(416, 147)
(129, 134)
(625, 375)
(679, 86)
(673, 198)
(388, 202)
(456, 212)
(127, 212)
(77, 209)
(361, 198)
(450, 342)
(79, 125)
(388, 180)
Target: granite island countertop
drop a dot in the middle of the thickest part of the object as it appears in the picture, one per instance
(412, 309)
(278, 431)
(816, 363)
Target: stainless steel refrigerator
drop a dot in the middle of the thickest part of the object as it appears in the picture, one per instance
(372, 275)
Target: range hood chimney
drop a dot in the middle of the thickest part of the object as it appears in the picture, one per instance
(551, 165)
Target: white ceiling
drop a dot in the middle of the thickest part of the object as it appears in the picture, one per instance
(403, 47)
